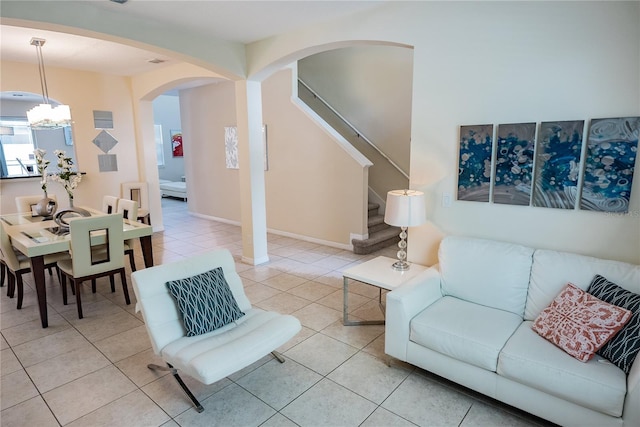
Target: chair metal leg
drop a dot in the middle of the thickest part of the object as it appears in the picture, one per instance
(278, 356)
(174, 372)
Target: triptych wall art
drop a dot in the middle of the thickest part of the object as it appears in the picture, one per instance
(544, 169)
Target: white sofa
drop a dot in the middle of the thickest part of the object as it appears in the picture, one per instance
(469, 318)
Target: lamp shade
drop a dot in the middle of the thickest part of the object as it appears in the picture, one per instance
(405, 208)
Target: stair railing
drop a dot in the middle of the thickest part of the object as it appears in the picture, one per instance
(353, 128)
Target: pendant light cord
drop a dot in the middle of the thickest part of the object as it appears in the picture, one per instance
(43, 77)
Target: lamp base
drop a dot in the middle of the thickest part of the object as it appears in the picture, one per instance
(401, 266)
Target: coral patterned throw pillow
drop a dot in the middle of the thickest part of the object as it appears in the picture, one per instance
(580, 323)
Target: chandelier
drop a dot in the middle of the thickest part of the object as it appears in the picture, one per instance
(45, 115)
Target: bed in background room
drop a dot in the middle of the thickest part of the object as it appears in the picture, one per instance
(173, 189)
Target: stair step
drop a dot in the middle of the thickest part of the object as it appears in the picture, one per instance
(372, 209)
(375, 220)
(376, 241)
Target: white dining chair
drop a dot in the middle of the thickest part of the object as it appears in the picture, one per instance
(16, 264)
(129, 210)
(24, 204)
(109, 204)
(87, 263)
(138, 191)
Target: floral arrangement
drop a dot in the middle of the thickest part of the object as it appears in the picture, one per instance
(66, 176)
(42, 164)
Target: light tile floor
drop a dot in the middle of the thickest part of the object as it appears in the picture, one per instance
(92, 372)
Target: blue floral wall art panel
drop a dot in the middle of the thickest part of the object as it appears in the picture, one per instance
(514, 163)
(612, 147)
(474, 164)
(558, 164)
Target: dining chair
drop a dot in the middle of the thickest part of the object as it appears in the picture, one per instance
(138, 191)
(87, 263)
(109, 204)
(129, 210)
(16, 264)
(25, 204)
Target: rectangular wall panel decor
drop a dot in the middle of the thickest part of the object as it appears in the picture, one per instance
(612, 146)
(558, 164)
(514, 163)
(474, 163)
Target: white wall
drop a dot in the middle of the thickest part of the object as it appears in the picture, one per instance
(474, 62)
(501, 62)
(84, 92)
(371, 87)
(314, 189)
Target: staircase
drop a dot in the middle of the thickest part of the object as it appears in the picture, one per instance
(381, 235)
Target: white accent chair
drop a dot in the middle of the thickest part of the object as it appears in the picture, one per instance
(215, 355)
(138, 191)
(88, 263)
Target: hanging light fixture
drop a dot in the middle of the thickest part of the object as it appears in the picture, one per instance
(46, 115)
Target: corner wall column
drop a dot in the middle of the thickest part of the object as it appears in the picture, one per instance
(253, 214)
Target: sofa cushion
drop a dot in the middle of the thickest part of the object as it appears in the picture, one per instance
(465, 331)
(552, 270)
(579, 323)
(494, 274)
(205, 302)
(533, 361)
(623, 348)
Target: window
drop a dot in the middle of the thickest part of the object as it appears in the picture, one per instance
(159, 144)
(16, 149)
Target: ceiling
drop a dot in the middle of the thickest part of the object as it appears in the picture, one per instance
(237, 21)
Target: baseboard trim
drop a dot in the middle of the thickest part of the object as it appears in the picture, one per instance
(347, 247)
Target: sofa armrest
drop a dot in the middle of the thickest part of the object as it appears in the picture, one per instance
(631, 412)
(403, 304)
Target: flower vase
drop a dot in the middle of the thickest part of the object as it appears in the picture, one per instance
(45, 207)
(70, 201)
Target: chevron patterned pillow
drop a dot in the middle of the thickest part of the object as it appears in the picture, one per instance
(205, 302)
(623, 348)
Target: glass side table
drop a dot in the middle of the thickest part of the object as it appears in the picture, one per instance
(379, 273)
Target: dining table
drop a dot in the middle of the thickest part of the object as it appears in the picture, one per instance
(37, 236)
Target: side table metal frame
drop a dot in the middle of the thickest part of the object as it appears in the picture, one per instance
(345, 314)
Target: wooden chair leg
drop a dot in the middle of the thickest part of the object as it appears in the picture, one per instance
(3, 273)
(112, 281)
(20, 290)
(93, 285)
(132, 260)
(63, 285)
(78, 300)
(12, 284)
(125, 289)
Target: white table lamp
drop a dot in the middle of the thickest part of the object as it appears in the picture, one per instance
(405, 208)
